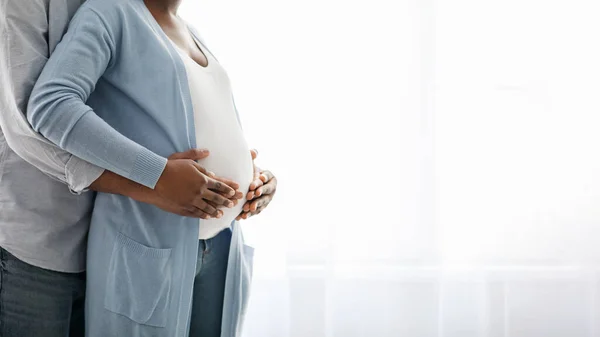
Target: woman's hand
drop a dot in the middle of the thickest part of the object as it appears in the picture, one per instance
(261, 191)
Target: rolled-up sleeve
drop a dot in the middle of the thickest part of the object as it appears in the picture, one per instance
(23, 53)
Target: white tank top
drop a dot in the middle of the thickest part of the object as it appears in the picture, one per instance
(218, 130)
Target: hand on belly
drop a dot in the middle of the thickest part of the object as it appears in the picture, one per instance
(234, 164)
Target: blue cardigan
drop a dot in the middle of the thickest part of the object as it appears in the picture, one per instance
(115, 93)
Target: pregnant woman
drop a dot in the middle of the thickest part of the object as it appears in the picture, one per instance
(128, 85)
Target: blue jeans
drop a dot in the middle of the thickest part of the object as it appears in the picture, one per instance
(209, 285)
(39, 302)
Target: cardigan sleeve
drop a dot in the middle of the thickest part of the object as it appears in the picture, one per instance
(58, 111)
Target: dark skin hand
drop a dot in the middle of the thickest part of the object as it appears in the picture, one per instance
(225, 200)
(261, 192)
(110, 182)
(188, 184)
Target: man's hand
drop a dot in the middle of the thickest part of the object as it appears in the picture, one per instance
(110, 182)
(261, 191)
(187, 184)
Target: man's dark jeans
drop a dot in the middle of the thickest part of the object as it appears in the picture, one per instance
(36, 302)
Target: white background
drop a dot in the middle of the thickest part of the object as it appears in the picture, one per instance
(438, 163)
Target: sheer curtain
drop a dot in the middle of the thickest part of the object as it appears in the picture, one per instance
(438, 164)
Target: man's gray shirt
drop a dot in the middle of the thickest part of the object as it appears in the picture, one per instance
(44, 216)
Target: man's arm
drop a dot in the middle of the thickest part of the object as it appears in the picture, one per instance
(23, 53)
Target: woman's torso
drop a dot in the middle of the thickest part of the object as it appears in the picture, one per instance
(144, 94)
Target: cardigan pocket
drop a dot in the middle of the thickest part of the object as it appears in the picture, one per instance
(138, 282)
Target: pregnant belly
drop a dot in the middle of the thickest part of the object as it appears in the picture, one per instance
(229, 158)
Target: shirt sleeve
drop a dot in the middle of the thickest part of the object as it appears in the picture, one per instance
(58, 111)
(23, 53)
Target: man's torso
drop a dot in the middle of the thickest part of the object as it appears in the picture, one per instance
(41, 222)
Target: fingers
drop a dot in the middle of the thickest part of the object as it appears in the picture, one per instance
(220, 184)
(244, 212)
(202, 206)
(225, 186)
(217, 199)
(252, 206)
(229, 182)
(260, 203)
(254, 187)
(180, 211)
(256, 183)
(263, 189)
(247, 215)
(259, 210)
(203, 170)
(256, 173)
(267, 189)
(193, 154)
(220, 187)
(254, 154)
(215, 205)
(235, 198)
(266, 175)
(197, 213)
